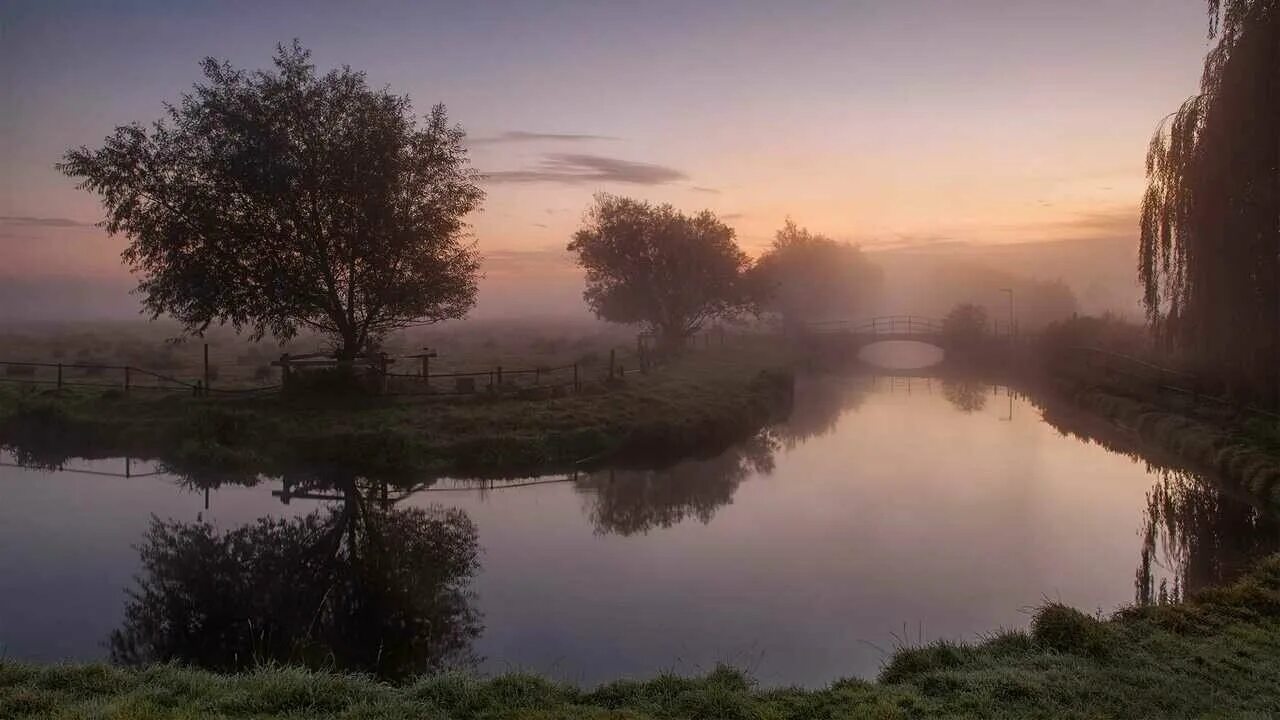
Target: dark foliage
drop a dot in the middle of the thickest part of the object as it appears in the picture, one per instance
(804, 276)
(1209, 258)
(965, 325)
(279, 200)
(655, 266)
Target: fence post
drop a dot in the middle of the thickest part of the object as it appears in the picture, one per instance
(126, 379)
(284, 371)
(537, 375)
(59, 376)
(499, 377)
(612, 357)
(206, 367)
(576, 385)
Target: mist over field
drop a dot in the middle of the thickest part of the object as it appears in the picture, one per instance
(925, 280)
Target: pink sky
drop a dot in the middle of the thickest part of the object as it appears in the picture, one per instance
(906, 123)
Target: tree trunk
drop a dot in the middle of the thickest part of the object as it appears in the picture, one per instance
(671, 339)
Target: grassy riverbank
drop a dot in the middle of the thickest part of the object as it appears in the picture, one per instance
(698, 403)
(1217, 655)
(1243, 451)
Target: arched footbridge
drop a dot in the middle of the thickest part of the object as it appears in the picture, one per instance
(855, 334)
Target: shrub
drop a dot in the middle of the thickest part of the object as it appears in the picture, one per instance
(1067, 630)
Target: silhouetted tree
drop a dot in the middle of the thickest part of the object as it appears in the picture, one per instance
(655, 266)
(280, 200)
(965, 325)
(1209, 258)
(354, 587)
(804, 276)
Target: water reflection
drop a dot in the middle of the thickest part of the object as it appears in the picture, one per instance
(631, 502)
(358, 585)
(1196, 532)
(1197, 536)
(965, 395)
(890, 500)
(818, 402)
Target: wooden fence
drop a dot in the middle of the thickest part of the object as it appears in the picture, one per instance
(394, 375)
(125, 378)
(1134, 374)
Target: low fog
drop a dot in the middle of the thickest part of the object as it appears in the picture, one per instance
(1050, 280)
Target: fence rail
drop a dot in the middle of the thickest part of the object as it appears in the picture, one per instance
(1161, 379)
(408, 374)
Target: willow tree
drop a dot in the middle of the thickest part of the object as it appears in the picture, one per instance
(282, 199)
(1209, 259)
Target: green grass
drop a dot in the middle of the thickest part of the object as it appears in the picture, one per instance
(1217, 655)
(701, 402)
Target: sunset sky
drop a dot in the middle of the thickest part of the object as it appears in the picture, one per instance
(913, 122)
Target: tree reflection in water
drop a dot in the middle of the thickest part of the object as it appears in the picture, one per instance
(965, 395)
(359, 585)
(631, 502)
(818, 402)
(1197, 536)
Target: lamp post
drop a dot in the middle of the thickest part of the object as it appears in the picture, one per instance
(1010, 291)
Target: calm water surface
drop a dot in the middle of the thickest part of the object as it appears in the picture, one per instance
(885, 511)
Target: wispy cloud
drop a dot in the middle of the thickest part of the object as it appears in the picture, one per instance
(708, 190)
(520, 136)
(29, 221)
(579, 168)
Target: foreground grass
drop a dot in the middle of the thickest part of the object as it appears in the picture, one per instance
(702, 401)
(1217, 655)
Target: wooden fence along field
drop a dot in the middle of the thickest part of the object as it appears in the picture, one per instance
(384, 374)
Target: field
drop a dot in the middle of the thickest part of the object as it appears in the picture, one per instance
(701, 401)
(237, 362)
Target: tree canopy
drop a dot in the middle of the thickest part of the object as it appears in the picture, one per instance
(806, 276)
(658, 267)
(965, 325)
(1209, 256)
(280, 199)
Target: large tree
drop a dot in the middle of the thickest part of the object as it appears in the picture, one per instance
(806, 276)
(655, 266)
(1210, 236)
(280, 199)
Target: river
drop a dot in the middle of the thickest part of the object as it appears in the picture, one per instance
(886, 511)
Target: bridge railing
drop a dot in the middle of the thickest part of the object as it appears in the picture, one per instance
(880, 325)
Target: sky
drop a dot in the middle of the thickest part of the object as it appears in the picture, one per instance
(912, 123)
